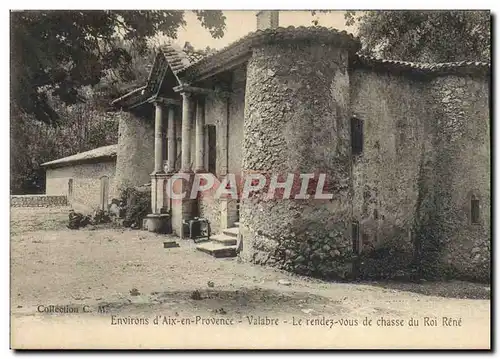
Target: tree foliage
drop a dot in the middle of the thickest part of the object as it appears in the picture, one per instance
(55, 53)
(426, 36)
(34, 142)
(83, 126)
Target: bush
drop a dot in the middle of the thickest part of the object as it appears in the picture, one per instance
(77, 220)
(101, 216)
(137, 202)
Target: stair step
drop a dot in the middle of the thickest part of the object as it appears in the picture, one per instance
(224, 239)
(217, 250)
(232, 232)
(237, 224)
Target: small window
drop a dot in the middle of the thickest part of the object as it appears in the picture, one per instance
(356, 136)
(474, 210)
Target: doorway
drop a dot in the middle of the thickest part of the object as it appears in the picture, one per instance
(104, 193)
(70, 189)
(212, 149)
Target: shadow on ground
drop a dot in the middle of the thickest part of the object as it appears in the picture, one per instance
(255, 301)
(448, 289)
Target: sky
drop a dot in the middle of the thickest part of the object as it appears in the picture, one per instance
(239, 23)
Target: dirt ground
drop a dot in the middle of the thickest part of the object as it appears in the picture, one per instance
(128, 274)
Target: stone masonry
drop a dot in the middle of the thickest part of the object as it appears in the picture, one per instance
(413, 199)
(296, 121)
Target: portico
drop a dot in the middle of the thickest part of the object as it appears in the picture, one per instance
(192, 126)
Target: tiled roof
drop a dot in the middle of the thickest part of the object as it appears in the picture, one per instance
(178, 58)
(244, 45)
(189, 66)
(324, 35)
(131, 97)
(100, 152)
(420, 67)
(168, 55)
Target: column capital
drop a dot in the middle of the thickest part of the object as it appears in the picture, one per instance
(200, 91)
(186, 95)
(166, 102)
(157, 104)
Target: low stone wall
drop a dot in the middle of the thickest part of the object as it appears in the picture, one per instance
(40, 200)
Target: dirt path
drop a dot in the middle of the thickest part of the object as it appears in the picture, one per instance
(129, 275)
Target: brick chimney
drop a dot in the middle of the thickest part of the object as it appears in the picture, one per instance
(267, 19)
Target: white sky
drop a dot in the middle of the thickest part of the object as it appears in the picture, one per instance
(240, 23)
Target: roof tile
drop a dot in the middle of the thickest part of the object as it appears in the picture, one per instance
(100, 152)
(428, 68)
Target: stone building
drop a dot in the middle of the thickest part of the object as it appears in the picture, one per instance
(87, 178)
(405, 148)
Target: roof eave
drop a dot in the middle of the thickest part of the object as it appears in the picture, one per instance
(127, 95)
(53, 164)
(425, 69)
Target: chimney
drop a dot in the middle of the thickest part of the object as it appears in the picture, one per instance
(267, 19)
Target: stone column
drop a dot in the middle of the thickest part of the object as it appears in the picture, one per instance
(187, 113)
(156, 221)
(200, 135)
(171, 139)
(159, 138)
(183, 209)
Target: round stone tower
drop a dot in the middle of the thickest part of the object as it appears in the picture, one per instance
(297, 121)
(135, 151)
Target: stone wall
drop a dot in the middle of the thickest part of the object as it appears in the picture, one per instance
(227, 114)
(426, 151)
(86, 178)
(135, 151)
(236, 120)
(386, 172)
(210, 208)
(297, 121)
(463, 168)
(33, 200)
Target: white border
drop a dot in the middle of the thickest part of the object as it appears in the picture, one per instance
(186, 4)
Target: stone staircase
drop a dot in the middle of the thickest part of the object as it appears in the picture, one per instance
(222, 245)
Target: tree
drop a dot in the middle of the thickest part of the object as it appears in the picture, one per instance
(56, 53)
(34, 142)
(83, 126)
(425, 36)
